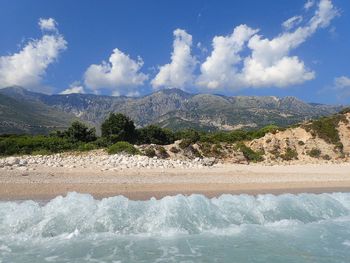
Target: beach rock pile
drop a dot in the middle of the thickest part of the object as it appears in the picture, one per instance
(103, 162)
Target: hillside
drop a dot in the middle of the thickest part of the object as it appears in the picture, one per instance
(34, 117)
(177, 109)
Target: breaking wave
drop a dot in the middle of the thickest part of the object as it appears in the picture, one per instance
(230, 228)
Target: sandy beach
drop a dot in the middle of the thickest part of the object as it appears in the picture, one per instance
(138, 183)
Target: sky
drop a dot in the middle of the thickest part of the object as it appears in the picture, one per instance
(273, 47)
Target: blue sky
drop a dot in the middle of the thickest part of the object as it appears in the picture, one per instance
(67, 52)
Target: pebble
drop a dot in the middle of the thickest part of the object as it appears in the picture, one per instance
(101, 161)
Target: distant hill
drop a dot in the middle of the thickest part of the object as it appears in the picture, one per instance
(176, 109)
(30, 116)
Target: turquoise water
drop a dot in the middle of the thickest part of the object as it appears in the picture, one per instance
(231, 228)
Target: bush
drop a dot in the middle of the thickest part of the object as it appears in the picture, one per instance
(190, 135)
(154, 135)
(87, 147)
(249, 154)
(150, 152)
(118, 127)
(315, 153)
(185, 143)
(26, 144)
(301, 143)
(326, 129)
(78, 132)
(123, 147)
(162, 153)
(174, 149)
(289, 155)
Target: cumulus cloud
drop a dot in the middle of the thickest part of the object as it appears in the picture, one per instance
(219, 69)
(48, 24)
(120, 74)
(27, 67)
(269, 63)
(75, 87)
(179, 72)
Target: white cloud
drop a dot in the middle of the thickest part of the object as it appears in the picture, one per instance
(219, 69)
(179, 72)
(309, 4)
(27, 67)
(292, 22)
(342, 82)
(342, 87)
(75, 87)
(48, 24)
(269, 63)
(120, 74)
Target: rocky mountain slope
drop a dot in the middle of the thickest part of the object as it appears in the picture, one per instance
(177, 109)
(28, 116)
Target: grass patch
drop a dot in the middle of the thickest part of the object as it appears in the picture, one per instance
(123, 147)
(249, 154)
(315, 153)
(289, 155)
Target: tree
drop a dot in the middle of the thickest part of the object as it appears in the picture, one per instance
(79, 132)
(156, 135)
(118, 127)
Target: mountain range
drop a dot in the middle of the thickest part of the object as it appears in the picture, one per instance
(23, 111)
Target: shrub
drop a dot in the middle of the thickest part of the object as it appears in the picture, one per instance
(79, 132)
(326, 128)
(162, 153)
(123, 147)
(174, 149)
(345, 110)
(154, 135)
(150, 152)
(205, 147)
(87, 147)
(185, 143)
(315, 153)
(118, 127)
(301, 143)
(217, 150)
(326, 157)
(26, 144)
(190, 135)
(289, 155)
(249, 154)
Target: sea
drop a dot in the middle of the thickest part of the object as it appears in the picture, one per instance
(268, 228)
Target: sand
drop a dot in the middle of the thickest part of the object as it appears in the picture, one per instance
(140, 184)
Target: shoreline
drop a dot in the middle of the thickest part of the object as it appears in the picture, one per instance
(45, 183)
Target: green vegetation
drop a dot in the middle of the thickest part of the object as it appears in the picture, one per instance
(119, 134)
(118, 127)
(326, 129)
(122, 147)
(154, 135)
(289, 155)
(150, 152)
(315, 153)
(174, 149)
(249, 154)
(237, 135)
(162, 153)
(25, 144)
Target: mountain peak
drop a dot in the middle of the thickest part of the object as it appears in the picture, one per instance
(176, 91)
